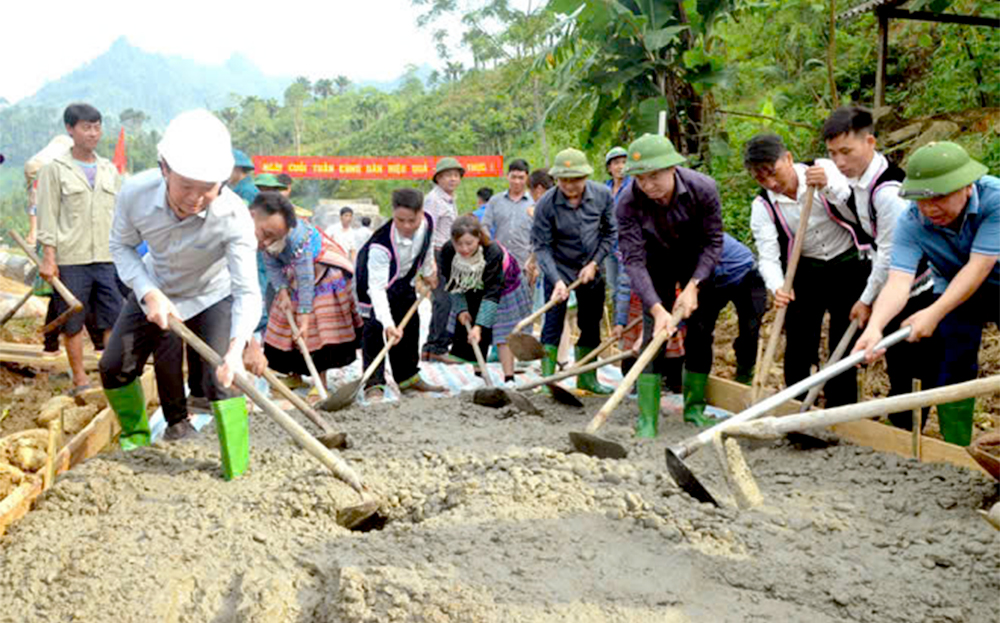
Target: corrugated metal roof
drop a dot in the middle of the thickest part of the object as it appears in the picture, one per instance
(867, 6)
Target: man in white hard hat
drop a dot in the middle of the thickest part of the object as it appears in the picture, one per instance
(201, 268)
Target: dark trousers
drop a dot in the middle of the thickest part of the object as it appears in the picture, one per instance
(961, 332)
(460, 346)
(749, 296)
(697, 341)
(832, 286)
(404, 356)
(438, 338)
(589, 313)
(910, 360)
(134, 339)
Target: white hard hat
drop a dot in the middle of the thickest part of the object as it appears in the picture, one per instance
(196, 144)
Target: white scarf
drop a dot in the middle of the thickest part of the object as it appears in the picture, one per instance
(467, 273)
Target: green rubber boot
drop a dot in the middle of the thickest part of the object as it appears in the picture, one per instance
(129, 404)
(694, 399)
(744, 375)
(233, 427)
(588, 380)
(649, 405)
(955, 420)
(549, 365)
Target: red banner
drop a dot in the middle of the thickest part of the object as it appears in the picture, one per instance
(365, 168)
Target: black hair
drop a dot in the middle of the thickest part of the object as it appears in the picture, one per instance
(346, 210)
(541, 177)
(484, 193)
(853, 119)
(763, 149)
(518, 165)
(285, 179)
(271, 202)
(469, 224)
(366, 221)
(409, 198)
(75, 113)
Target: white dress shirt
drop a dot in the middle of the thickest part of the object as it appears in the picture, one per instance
(378, 269)
(825, 239)
(441, 206)
(196, 262)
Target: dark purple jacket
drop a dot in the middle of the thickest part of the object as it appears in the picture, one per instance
(664, 245)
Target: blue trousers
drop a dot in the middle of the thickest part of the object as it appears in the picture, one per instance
(961, 332)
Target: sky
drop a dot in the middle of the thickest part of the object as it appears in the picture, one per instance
(363, 40)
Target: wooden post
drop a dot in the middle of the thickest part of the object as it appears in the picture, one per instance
(883, 53)
(918, 424)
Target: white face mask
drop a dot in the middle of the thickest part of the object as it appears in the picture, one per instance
(276, 247)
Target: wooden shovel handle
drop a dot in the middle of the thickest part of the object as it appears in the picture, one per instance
(479, 358)
(301, 343)
(74, 304)
(310, 444)
(604, 345)
(835, 356)
(297, 401)
(541, 310)
(565, 374)
(764, 367)
(385, 349)
(651, 351)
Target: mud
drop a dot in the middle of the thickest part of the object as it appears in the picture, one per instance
(492, 519)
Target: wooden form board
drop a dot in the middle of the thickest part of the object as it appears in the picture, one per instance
(735, 397)
(93, 439)
(33, 356)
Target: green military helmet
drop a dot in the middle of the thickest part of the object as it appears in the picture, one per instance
(938, 169)
(616, 152)
(448, 164)
(651, 152)
(242, 160)
(571, 163)
(268, 181)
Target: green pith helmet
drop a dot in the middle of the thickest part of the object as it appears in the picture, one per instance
(938, 169)
(616, 152)
(571, 163)
(269, 181)
(448, 164)
(651, 152)
(242, 161)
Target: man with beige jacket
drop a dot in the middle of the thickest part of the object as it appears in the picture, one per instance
(76, 203)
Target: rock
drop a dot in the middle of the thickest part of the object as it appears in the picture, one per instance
(612, 478)
(973, 548)
(903, 134)
(938, 131)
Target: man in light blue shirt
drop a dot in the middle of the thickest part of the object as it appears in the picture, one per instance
(955, 224)
(201, 268)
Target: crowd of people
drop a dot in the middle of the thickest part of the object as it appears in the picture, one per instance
(202, 239)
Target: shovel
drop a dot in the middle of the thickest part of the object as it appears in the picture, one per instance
(525, 347)
(603, 346)
(329, 438)
(20, 303)
(779, 320)
(565, 374)
(349, 517)
(492, 396)
(835, 356)
(301, 343)
(588, 442)
(346, 394)
(686, 479)
(75, 306)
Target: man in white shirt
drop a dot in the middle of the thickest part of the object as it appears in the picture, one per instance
(872, 210)
(439, 204)
(389, 267)
(830, 276)
(343, 234)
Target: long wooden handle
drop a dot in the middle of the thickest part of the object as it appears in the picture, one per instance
(603, 346)
(770, 427)
(541, 310)
(651, 351)
(565, 374)
(310, 444)
(479, 358)
(74, 304)
(385, 349)
(835, 356)
(297, 401)
(301, 343)
(764, 367)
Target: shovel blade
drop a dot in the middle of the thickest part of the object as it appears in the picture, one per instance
(522, 402)
(353, 516)
(491, 397)
(340, 399)
(525, 347)
(335, 441)
(593, 445)
(564, 396)
(686, 480)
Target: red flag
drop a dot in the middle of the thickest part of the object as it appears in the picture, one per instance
(120, 159)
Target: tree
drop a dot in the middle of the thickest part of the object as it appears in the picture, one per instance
(132, 120)
(342, 83)
(453, 71)
(323, 88)
(296, 97)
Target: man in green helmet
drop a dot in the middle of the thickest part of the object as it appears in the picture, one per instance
(954, 221)
(670, 234)
(241, 179)
(573, 231)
